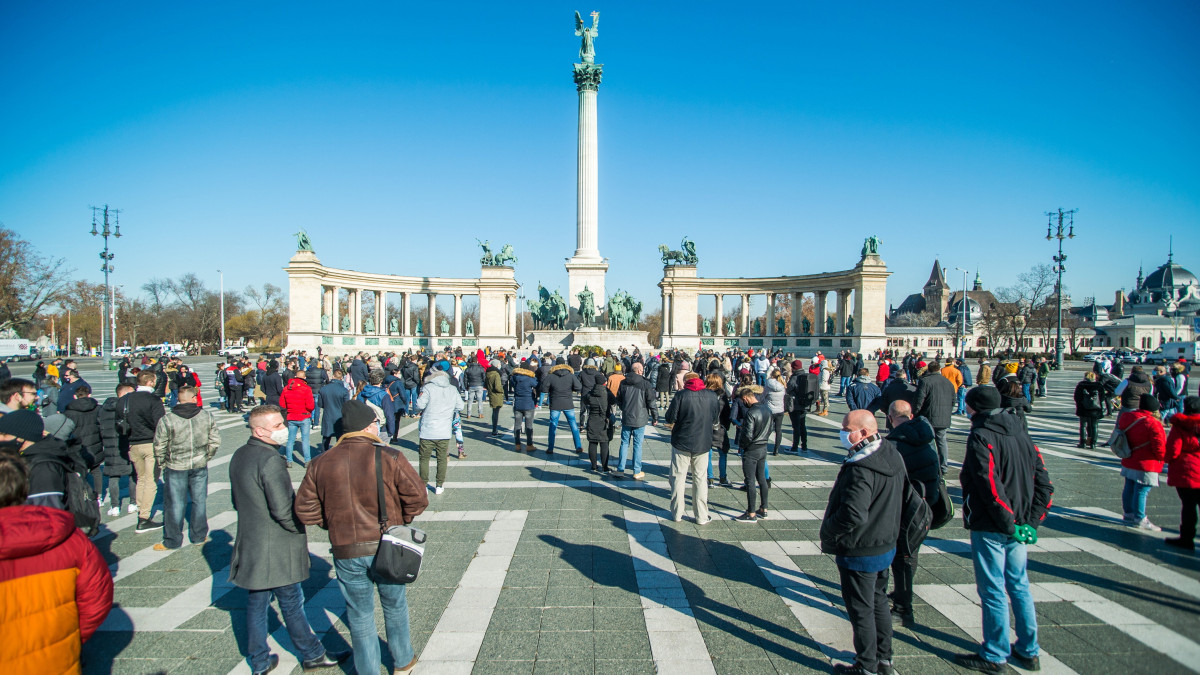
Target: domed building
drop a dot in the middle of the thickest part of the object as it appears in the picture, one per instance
(1162, 307)
(1170, 289)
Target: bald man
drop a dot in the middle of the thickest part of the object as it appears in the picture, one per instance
(914, 440)
(861, 528)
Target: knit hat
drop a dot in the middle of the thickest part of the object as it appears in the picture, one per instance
(983, 399)
(356, 416)
(24, 424)
(797, 364)
(1148, 402)
(559, 361)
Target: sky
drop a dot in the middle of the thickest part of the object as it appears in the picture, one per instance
(777, 136)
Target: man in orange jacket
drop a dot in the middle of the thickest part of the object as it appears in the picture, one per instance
(47, 566)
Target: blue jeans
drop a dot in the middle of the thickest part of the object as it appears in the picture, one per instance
(760, 378)
(177, 487)
(359, 592)
(410, 396)
(173, 399)
(303, 428)
(291, 606)
(554, 415)
(1133, 498)
(845, 384)
(638, 433)
(1000, 567)
(316, 416)
(722, 463)
(962, 401)
(1025, 391)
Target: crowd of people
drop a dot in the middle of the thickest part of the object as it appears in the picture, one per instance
(64, 456)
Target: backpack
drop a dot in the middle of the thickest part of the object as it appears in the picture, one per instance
(1118, 442)
(915, 519)
(80, 500)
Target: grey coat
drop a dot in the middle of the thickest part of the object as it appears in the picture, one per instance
(271, 549)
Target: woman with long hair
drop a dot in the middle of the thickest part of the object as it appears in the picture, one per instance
(716, 383)
(775, 391)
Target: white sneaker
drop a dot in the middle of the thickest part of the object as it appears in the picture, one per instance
(114, 511)
(132, 508)
(438, 490)
(1145, 524)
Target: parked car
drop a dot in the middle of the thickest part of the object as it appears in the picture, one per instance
(234, 350)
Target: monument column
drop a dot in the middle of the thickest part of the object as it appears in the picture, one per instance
(769, 329)
(381, 327)
(745, 314)
(666, 313)
(819, 312)
(839, 302)
(431, 328)
(407, 314)
(587, 267)
(356, 311)
(719, 329)
(335, 320)
(458, 314)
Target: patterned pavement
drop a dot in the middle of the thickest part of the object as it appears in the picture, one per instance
(539, 566)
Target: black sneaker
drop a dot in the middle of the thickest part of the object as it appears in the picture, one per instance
(906, 619)
(850, 669)
(978, 663)
(147, 525)
(747, 517)
(724, 483)
(885, 668)
(761, 513)
(1180, 542)
(1031, 663)
(327, 660)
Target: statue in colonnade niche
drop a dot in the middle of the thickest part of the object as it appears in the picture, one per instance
(706, 327)
(345, 324)
(470, 327)
(369, 324)
(781, 327)
(806, 325)
(393, 326)
(730, 328)
(325, 322)
(445, 327)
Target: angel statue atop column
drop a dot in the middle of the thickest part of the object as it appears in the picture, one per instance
(587, 51)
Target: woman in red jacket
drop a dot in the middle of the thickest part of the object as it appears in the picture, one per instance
(54, 584)
(1183, 454)
(297, 403)
(1144, 430)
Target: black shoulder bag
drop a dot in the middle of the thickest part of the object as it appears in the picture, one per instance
(401, 547)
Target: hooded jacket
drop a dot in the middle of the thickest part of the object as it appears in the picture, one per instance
(55, 587)
(524, 384)
(474, 375)
(187, 438)
(693, 412)
(85, 413)
(297, 400)
(1135, 385)
(560, 384)
(863, 514)
(1146, 438)
(914, 442)
(438, 402)
(636, 399)
(1087, 399)
(662, 384)
(598, 401)
(1004, 481)
(863, 394)
(1183, 451)
(936, 398)
(49, 460)
(116, 446)
(773, 392)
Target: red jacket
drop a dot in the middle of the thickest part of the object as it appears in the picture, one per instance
(297, 400)
(55, 590)
(884, 372)
(1183, 451)
(1147, 438)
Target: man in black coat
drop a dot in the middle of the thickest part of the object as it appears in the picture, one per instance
(913, 438)
(861, 528)
(635, 397)
(935, 401)
(1006, 494)
(560, 385)
(116, 449)
(897, 388)
(692, 413)
(142, 410)
(270, 554)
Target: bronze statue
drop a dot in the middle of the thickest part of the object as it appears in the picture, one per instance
(587, 50)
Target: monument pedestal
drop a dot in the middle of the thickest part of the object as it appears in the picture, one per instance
(559, 340)
(585, 272)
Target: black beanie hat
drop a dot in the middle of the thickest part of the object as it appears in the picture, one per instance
(357, 416)
(1148, 402)
(984, 398)
(24, 424)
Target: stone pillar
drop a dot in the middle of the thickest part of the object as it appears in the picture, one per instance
(719, 328)
(839, 304)
(406, 325)
(745, 314)
(769, 329)
(797, 313)
(356, 311)
(666, 313)
(819, 312)
(457, 329)
(587, 215)
(844, 311)
(431, 328)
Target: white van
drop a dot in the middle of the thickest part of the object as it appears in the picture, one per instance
(1171, 352)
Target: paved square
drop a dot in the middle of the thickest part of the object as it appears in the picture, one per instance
(538, 566)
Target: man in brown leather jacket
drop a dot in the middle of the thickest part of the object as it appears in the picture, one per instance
(339, 494)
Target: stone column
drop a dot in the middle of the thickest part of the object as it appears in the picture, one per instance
(745, 314)
(769, 329)
(719, 329)
(335, 321)
(844, 311)
(356, 311)
(406, 324)
(431, 327)
(587, 81)
(458, 325)
(819, 312)
(666, 313)
(797, 313)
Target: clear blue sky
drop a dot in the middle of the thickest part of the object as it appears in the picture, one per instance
(777, 137)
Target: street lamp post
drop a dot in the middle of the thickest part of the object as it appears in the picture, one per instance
(1051, 233)
(963, 309)
(106, 267)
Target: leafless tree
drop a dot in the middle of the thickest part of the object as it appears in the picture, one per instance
(29, 281)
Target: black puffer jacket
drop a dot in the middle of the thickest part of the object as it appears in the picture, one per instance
(800, 390)
(914, 442)
(635, 396)
(755, 430)
(85, 413)
(559, 385)
(587, 377)
(474, 375)
(1088, 396)
(863, 515)
(116, 446)
(598, 400)
(316, 377)
(936, 398)
(1004, 481)
(693, 412)
(663, 385)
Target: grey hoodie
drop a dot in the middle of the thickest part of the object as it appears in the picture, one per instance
(438, 402)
